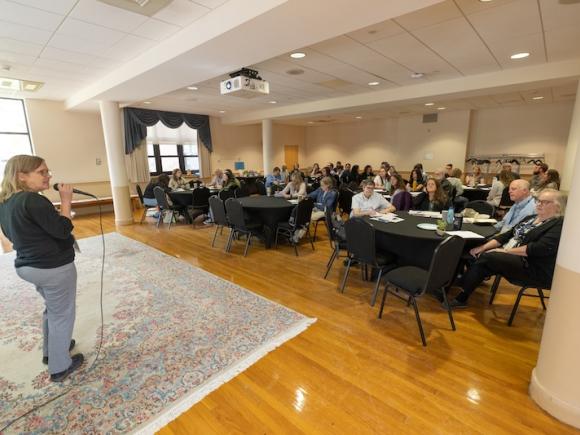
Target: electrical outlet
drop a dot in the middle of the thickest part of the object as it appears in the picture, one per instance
(98, 161)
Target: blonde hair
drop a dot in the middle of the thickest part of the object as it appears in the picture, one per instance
(17, 164)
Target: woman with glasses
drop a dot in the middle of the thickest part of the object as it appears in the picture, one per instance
(527, 252)
(45, 254)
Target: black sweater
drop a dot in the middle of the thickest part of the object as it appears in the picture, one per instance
(41, 237)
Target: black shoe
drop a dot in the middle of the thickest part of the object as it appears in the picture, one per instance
(70, 347)
(77, 361)
(456, 305)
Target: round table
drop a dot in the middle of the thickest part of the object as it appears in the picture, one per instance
(269, 211)
(414, 246)
(181, 197)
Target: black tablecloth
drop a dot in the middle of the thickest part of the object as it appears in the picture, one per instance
(269, 211)
(414, 246)
(183, 198)
(475, 194)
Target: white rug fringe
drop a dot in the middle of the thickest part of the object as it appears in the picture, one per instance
(227, 374)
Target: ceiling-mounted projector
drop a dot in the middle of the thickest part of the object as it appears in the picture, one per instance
(245, 83)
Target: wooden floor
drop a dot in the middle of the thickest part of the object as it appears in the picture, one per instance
(351, 373)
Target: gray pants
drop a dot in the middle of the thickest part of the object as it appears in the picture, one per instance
(58, 287)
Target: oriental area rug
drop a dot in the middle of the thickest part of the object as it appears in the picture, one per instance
(172, 334)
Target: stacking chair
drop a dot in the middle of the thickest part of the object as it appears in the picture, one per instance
(522, 292)
(242, 192)
(300, 220)
(505, 203)
(337, 240)
(220, 219)
(235, 216)
(146, 208)
(360, 241)
(261, 187)
(482, 207)
(345, 200)
(415, 282)
(200, 202)
(164, 206)
(402, 201)
(322, 219)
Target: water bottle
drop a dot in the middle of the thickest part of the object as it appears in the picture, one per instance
(450, 215)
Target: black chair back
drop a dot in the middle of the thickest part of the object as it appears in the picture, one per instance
(303, 212)
(161, 198)
(360, 239)
(444, 264)
(235, 214)
(242, 192)
(261, 187)
(225, 194)
(218, 211)
(402, 201)
(505, 200)
(200, 197)
(345, 200)
(140, 193)
(482, 207)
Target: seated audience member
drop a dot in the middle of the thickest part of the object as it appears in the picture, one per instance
(538, 175)
(397, 185)
(448, 169)
(447, 187)
(149, 195)
(524, 205)
(284, 174)
(474, 178)
(231, 181)
(218, 180)
(433, 199)
(315, 173)
(382, 180)
(527, 252)
(367, 173)
(504, 179)
(419, 166)
(274, 179)
(326, 172)
(324, 198)
(296, 168)
(549, 180)
(346, 174)
(507, 166)
(294, 189)
(354, 177)
(177, 181)
(338, 170)
(416, 180)
(454, 179)
(368, 202)
(331, 168)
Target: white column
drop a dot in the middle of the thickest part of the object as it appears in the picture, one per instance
(573, 143)
(112, 130)
(555, 384)
(267, 146)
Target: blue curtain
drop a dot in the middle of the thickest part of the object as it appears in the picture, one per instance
(137, 120)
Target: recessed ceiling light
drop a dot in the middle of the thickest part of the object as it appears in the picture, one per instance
(539, 97)
(485, 1)
(441, 108)
(9, 84)
(417, 75)
(358, 117)
(373, 83)
(298, 55)
(521, 55)
(192, 88)
(273, 102)
(146, 102)
(310, 122)
(429, 104)
(222, 111)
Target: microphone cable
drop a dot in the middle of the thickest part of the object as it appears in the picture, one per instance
(92, 366)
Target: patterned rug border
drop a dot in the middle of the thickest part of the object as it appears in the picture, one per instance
(170, 414)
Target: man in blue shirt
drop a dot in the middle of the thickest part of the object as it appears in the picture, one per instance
(275, 178)
(524, 205)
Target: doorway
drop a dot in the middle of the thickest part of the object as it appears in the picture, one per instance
(290, 155)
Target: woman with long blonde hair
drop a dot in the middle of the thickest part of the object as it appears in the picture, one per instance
(45, 254)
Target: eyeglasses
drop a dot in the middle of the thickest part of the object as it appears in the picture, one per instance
(543, 202)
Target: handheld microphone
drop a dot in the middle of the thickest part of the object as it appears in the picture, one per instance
(79, 192)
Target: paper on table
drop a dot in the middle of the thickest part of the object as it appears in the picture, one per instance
(430, 214)
(481, 221)
(389, 217)
(293, 201)
(465, 234)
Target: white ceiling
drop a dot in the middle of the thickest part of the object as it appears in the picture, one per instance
(72, 44)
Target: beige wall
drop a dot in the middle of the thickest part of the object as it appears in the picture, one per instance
(70, 142)
(541, 128)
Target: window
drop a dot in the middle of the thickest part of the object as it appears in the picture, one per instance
(14, 134)
(168, 149)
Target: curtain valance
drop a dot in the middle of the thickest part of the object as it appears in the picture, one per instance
(137, 120)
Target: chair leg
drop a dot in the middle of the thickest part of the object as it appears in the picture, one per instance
(249, 238)
(171, 220)
(276, 239)
(315, 229)
(446, 302)
(515, 308)
(160, 217)
(230, 240)
(295, 247)
(143, 215)
(309, 237)
(215, 235)
(419, 323)
(383, 301)
(331, 262)
(542, 297)
(376, 291)
(345, 275)
(494, 287)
